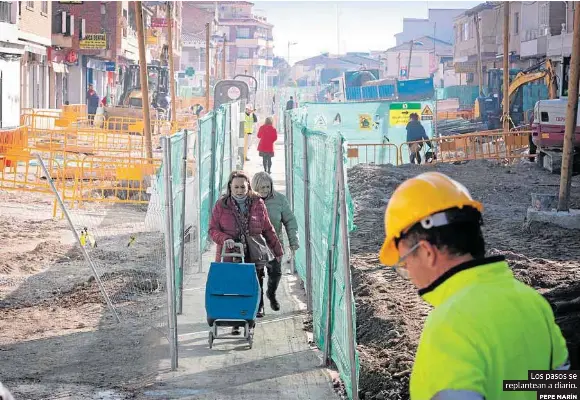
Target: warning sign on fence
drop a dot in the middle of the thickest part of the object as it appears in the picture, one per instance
(365, 122)
(320, 122)
(399, 113)
(426, 114)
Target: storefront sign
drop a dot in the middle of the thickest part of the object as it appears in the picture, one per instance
(110, 66)
(94, 41)
(158, 23)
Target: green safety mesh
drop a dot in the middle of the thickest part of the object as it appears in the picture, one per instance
(216, 152)
(204, 153)
(322, 151)
(178, 176)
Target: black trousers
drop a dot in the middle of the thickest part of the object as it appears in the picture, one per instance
(274, 268)
(267, 161)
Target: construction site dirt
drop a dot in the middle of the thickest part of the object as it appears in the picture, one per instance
(59, 339)
(390, 314)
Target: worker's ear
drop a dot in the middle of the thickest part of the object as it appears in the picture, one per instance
(429, 253)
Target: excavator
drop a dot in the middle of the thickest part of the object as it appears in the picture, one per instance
(489, 108)
(548, 128)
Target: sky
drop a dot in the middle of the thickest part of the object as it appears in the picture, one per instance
(363, 25)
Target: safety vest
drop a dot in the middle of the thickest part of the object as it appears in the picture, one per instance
(486, 327)
(249, 124)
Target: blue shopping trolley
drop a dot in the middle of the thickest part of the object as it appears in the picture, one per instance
(232, 297)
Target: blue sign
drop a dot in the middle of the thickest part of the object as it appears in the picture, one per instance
(110, 66)
(403, 72)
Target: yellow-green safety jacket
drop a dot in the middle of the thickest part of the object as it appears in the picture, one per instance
(486, 327)
(249, 124)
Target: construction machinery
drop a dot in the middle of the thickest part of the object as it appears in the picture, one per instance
(549, 125)
(130, 104)
(489, 108)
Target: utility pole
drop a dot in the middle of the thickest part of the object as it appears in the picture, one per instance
(207, 29)
(571, 116)
(506, 71)
(224, 58)
(144, 82)
(479, 67)
(171, 66)
(409, 63)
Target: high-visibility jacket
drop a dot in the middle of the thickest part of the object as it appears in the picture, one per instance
(486, 327)
(249, 123)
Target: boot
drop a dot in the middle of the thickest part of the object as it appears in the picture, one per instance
(273, 282)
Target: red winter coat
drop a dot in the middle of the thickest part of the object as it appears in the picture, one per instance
(267, 135)
(223, 226)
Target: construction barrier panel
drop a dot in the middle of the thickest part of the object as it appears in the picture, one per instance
(324, 211)
(494, 145)
(365, 153)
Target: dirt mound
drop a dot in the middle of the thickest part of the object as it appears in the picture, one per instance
(390, 314)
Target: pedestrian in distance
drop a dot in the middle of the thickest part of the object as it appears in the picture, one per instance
(268, 136)
(486, 326)
(240, 216)
(416, 133)
(92, 99)
(250, 120)
(281, 216)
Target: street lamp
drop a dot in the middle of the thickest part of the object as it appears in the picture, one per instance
(290, 44)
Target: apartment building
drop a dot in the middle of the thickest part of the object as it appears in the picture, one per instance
(426, 56)
(465, 47)
(249, 39)
(11, 52)
(438, 24)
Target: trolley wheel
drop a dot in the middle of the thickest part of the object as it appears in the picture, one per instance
(210, 340)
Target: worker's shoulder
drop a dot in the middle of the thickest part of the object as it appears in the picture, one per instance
(484, 301)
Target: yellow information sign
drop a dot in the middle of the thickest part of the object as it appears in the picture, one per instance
(365, 122)
(399, 113)
(94, 41)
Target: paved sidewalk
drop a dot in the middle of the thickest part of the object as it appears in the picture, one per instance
(281, 364)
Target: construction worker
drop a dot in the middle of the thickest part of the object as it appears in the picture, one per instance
(249, 123)
(486, 326)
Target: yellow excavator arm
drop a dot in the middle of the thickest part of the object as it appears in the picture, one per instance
(522, 78)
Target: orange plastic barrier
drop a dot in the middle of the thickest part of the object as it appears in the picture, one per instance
(384, 153)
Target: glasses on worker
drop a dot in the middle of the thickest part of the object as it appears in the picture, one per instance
(401, 266)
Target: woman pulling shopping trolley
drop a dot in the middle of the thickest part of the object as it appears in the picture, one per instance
(240, 216)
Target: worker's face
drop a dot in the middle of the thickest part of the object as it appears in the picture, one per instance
(264, 189)
(419, 261)
(239, 187)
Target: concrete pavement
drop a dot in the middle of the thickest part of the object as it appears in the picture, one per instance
(281, 364)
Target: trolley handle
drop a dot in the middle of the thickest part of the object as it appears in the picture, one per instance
(240, 254)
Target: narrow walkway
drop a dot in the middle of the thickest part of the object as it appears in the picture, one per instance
(281, 364)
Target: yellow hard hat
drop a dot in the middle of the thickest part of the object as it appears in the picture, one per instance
(416, 199)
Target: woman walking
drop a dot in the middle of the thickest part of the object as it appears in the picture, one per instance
(240, 216)
(280, 215)
(268, 136)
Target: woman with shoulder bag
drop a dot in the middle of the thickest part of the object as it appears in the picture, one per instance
(240, 216)
(281, 216)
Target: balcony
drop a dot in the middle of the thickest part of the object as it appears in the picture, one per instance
(264, 62)
(558, 45)
(535, 47)
(59, 40)
(251, 42)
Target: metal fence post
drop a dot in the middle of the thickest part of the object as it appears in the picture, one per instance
(77, 238)
(307, 220)
(200, 244)
(169, 254)
(182, 230)
(212, 175)
(331, 251)
(348, 296)
(289, 144)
